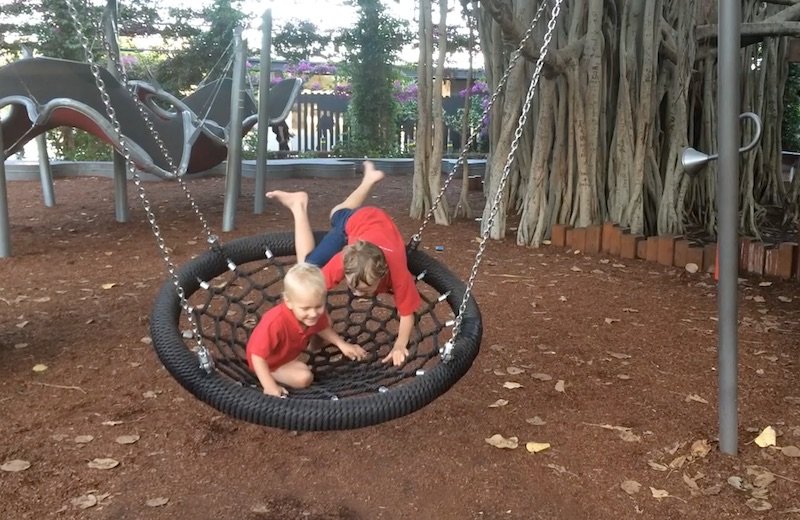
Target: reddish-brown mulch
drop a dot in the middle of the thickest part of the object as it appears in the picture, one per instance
(634, 344)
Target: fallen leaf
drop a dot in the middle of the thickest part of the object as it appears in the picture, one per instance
(536, 421)
(629, 436)
(149, 395)
(542, 377)
(678, 462)
(657, 466)
(691, 268)
(631, 487)
(713, 490)
(536, 447)
(758, 505)
(700, 448)
(20, 346)
(22, 324)
(560, 385)
(15, 465)
(659, 493)
(791, 451)
(766, 437)
(109, 285)
(785, 299)
(498, 441)
(514, 370)
(83, 439)
(511, 385)
(692, 483)
(103, 463)
(498, 403)
(127, 439)
(764, 284)
(84, 501)
(624, 377)
(629, 309)
(575, 269)
(157, 502)
(609, 321)
(762, 477)
(619, 355)
(696, 398)
(111, 423)
(39, 368)
(739, 483)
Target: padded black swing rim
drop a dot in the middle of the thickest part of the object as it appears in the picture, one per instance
(250, 404)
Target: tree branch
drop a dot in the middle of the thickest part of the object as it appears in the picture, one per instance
(752, 32)
(501, 13)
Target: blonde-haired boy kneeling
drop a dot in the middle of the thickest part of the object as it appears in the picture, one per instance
(285, 330)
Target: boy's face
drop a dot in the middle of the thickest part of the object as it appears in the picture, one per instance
(364, 290)
(307, 308)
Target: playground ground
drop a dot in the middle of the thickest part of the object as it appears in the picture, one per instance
(616, 361)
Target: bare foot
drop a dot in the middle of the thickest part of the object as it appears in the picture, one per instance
(371, 175)
(293, 200)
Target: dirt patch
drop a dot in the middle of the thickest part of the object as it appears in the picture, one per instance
(616, 362)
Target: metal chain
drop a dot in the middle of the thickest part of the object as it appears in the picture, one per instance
(417, 237)
(202, 351)
(211, 238)
(447, 351)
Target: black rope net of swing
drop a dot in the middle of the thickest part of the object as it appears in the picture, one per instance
(233, 303)
(228, 290)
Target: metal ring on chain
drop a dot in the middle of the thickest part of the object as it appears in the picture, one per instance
(229, 290)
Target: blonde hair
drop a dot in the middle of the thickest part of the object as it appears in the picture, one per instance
(364, 263)
(304, 278)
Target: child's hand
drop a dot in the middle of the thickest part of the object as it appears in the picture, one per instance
(351, 351)
(397, 356)
(275, 390)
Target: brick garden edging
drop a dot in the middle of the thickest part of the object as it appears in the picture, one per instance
(755, 257)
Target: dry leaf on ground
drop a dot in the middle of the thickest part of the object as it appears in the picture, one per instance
(758, 505)
(791, 451)
(498, 441)
(631, 487)
(511, 385)
(498, 403)
(127, 439)
(536, 447)
(766, 437)
(157, 502)
(659, 493)
(560, 385)
(15, 465)
(103, 463)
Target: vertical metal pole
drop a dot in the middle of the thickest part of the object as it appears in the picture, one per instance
(120, 166)
(45, 172)
(263, 111)
(729, 105)
(5, 232)
(234, 170)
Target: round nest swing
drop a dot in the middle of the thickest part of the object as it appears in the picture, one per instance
(229, 289)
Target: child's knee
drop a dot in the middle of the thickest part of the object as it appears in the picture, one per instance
(305, 378)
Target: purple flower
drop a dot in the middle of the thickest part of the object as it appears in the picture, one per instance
(128, 61)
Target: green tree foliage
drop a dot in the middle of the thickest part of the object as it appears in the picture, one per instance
(791, 111)
(206, 42)
(298, 40)
(371, 48)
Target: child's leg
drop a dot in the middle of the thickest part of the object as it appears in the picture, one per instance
(297, 202)
(294, 374)
(359, 195)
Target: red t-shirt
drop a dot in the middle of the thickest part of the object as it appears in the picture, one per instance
(376, 226)
(279, 337)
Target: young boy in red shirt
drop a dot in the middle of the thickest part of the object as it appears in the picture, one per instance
(285, 330)
(363, 247)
